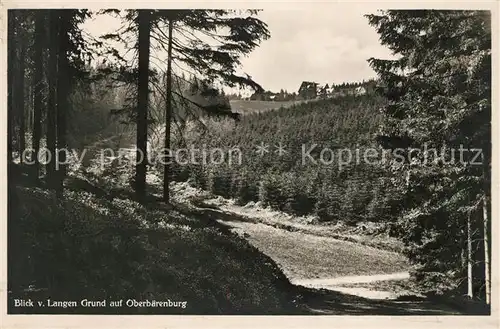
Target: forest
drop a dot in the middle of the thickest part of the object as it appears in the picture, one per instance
(82, 223)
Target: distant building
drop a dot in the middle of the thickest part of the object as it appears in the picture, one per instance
(360, 90)
(308, 90)
(264, 96)
(330, 90)
(323, 91)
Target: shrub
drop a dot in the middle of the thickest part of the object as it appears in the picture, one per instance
(246, 189)
(270, 193)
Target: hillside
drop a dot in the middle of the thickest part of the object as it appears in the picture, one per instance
(254, 106)
(332, 190)
(100, 249)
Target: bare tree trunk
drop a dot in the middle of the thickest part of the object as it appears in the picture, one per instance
(469, 257)
(52, 104)
(142, 102)
(486, 220)
(10, 80)
(168, 116)
(486, 251)
(28, 91)
(20, 102)
(37, 90)
(62, 98)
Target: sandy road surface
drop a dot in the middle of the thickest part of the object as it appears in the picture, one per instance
(324, 262)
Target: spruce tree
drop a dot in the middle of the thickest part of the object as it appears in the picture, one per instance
(37, 89)
(439, 97)
(206, 43)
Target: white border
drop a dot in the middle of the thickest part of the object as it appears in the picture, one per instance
(182, 321)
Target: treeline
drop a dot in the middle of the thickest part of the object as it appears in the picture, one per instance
(281, 96)
(324, 91)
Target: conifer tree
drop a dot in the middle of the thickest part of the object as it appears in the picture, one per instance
(205, 43)
(439, 97)
(37, 88)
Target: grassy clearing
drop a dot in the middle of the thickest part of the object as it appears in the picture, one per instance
(365, 233)
(88, 247)
(305, 256)
(248, 107)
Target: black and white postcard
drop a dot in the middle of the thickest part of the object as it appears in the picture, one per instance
(299, 161)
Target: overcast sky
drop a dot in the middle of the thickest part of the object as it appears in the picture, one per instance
(325, 44)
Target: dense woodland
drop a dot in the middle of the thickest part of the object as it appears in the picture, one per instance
(284, 182)
(63, 94)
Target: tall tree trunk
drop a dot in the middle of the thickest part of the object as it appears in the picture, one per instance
(10, 80)
(51, 103)
(37, 89)
(469, 257)
(143, 21)
(486, 220)
(28, 91)
(20, 102)
(62, 98)
(168, 116)
(486, 240)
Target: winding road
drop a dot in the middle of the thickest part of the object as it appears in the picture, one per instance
(324, 262)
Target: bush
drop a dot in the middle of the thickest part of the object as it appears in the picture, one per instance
(219, 181)
(197, 177)
(270, 193)
(246, 189)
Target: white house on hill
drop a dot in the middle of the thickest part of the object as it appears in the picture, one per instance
(360, 90)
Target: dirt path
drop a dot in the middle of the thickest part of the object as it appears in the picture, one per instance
(303, 256)
(355, 279)
(322, 262)
(326, 263)
(331, 276)
(319, 266)
(315, 260)
(336, 284)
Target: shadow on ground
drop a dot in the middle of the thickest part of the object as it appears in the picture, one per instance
(326, 302)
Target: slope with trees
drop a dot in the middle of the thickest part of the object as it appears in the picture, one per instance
(332, 191)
